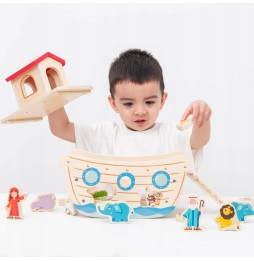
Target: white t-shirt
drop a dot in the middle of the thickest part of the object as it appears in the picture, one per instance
(116, 139)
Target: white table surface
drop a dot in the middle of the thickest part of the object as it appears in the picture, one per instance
(57, 234)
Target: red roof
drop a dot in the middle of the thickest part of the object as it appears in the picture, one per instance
(30, 65)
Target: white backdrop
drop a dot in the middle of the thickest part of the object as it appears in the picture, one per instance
(206, 52)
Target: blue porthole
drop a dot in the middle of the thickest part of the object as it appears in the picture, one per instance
(126, 181)
(91, 176)
(160, 179)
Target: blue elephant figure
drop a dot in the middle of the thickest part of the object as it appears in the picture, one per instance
(243, 210)
(119, 212)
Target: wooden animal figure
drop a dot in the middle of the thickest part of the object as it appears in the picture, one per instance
(153, 197)
(40, 88)
(243, 209)
(193, 212)
(227, 219)
(14, 209)
(44, 202)
(118, 212)
(102, 193)
(69, 208)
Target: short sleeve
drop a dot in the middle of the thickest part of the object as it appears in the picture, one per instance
(85, 136)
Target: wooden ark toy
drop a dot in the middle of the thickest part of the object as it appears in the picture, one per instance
(41, 87)
(44, 203)
(14, 208)
(149, 185)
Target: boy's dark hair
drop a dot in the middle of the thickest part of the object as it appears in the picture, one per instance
(136, 66)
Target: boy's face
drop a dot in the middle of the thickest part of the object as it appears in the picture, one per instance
(138, 104)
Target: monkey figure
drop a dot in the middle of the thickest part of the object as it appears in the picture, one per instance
(153, 198)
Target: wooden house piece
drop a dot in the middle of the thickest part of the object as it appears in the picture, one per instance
(40, 88)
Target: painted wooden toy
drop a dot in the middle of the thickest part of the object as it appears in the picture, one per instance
(14, 208)
(69, 208)
(153, 197)
(40, 88)
(117, 212)
(227, 218)
(183, 125)
(244, 208)
(193, 212)
(44, 202)
(149, 185)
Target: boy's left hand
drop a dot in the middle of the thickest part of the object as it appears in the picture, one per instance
(200, 111)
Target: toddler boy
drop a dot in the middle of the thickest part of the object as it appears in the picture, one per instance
(137, 95)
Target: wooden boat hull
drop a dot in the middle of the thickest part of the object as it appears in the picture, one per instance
(150, 185)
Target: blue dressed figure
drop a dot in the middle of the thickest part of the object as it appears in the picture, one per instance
(192, 214)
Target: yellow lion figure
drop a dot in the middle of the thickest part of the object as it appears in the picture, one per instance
(227, 219)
